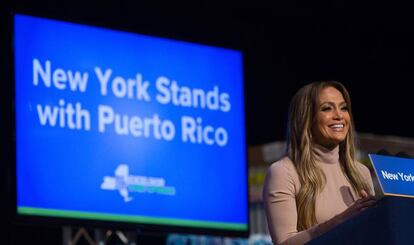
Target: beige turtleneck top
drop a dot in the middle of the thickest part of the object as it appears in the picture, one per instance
(282, 185)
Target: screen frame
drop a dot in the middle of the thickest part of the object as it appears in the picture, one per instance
(59, 221)
(6, 122)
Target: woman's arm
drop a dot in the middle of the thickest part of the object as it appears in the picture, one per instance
(279, 193)
(280, 206)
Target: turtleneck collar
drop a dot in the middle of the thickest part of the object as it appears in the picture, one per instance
(325, 155)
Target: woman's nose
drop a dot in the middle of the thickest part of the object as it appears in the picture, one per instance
(338, 114)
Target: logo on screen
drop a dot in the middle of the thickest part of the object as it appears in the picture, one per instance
(126, 183)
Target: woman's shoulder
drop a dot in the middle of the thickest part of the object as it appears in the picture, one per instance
(362, 167)
(283, 165)
(282, 175)
(283, 168)
(366, 173)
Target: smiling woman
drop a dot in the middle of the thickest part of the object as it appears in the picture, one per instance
(319, 184)
(332, 118)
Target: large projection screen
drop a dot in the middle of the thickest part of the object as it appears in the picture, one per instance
(130, 129)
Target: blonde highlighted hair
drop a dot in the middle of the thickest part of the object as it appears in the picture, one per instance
(302, 111)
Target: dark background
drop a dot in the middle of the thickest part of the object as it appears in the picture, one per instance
(368, 47)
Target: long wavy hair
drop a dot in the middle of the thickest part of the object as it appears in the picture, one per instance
(302, 111)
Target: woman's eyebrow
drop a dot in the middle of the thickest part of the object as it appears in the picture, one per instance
(332, 103)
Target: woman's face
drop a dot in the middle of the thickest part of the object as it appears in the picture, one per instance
(332, 119)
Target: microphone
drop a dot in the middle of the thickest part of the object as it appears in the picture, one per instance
(384, 152)
(403, 154)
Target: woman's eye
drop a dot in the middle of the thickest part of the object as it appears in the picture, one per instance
(345, 108)
(325, 108)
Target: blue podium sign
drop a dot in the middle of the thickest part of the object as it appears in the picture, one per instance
(395, 175)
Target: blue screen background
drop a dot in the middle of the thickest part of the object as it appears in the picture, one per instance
(61, 168)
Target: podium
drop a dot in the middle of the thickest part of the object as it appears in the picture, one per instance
(391, 221)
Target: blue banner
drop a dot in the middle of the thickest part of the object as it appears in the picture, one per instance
(116, 123)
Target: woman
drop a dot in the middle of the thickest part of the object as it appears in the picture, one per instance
(319, 184)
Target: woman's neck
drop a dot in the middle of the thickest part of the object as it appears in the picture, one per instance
(326, 155)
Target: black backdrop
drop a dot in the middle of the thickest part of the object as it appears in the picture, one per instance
(368, 47)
